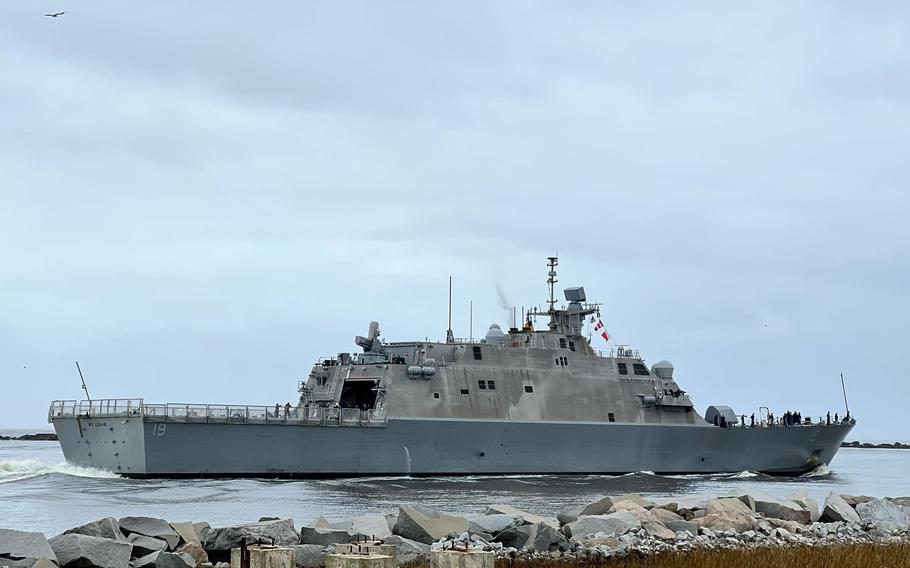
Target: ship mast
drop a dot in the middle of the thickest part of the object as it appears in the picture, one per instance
(552, 263)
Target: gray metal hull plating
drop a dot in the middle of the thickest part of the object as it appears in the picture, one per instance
(139, 448)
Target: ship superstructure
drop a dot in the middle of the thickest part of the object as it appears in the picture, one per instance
(523, 400)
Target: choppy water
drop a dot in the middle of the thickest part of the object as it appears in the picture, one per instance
(39, 491)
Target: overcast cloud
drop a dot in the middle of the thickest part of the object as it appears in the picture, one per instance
(199, 199)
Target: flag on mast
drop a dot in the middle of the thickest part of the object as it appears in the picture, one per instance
(599, 327)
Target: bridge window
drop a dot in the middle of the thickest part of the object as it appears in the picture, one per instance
(491, 385)
(610, 417)
(640, 369)
(622, 368)
(565, 360)
(477, 354)
(529, 388)
(435, 395)
(571, 346)
(464, 391)
(482, 384)
(562, 342)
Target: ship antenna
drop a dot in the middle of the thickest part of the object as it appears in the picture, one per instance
(85, 388)
(471, 322)
(450, 337)
(844, 388)
(553, 262)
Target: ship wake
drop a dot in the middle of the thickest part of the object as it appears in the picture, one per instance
(17, 470)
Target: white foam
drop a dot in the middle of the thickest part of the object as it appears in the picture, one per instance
(820, 471)
(24, 469)
(744, 475)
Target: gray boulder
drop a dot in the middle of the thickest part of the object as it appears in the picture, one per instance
(664, 515)
(27, 563)
(188, 532)
(426, 526)
(309, 555)
(749, 500)
(492, 524)
(514, 537)
(727, 504)
(196, 551)
(150, 526)
(539, 537)
(779, 509)
(601, 507)
(325, 537)
(374, 526)
(279, 533)
(837, 510)
(107, 527)
(808, 503)
(567, 516)
(82, 551)
(408, 551)
(165, 559)
(726, 520)
(145, 545)
(884, 515)
(391, 519)
(528, 518)
(545, 538)
(613, 524)
(658, 530)
(682, 526)
(854, 500)
(22, 544)
(202, 529)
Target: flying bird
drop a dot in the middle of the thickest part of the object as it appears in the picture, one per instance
(55, 14)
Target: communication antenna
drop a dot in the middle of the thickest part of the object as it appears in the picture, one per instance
(85, 388)
(844, 388)
(450, 337)
(552, 262)
(471, 322)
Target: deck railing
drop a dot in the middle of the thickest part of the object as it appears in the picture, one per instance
(223, 413)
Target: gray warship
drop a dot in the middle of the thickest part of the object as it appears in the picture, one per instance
(520, 401)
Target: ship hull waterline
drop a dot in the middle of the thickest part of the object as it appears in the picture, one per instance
(135, 447)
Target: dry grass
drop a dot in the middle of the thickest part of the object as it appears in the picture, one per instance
(856, 556)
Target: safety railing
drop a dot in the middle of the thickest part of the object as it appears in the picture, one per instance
(218, 413)
(112, 407)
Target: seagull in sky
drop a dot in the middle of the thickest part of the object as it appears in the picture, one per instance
(55, 14)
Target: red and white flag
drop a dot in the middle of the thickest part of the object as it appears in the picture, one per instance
(599, 327)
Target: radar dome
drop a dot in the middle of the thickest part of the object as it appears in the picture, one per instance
(495, 335)
(663, 369)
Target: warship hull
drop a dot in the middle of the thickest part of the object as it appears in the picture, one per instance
(137, 446)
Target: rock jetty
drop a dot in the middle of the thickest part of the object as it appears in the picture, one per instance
(41, 437)
(609, 527)
(867, 445)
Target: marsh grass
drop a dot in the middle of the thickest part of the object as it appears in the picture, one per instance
(853, 556)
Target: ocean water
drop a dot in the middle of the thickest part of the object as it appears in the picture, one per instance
(40, 492)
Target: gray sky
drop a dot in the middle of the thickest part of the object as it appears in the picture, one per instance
(199, 199)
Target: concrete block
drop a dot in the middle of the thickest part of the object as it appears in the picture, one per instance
(368, 547)
(461, 559)
(265, 556)
(359, 561)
